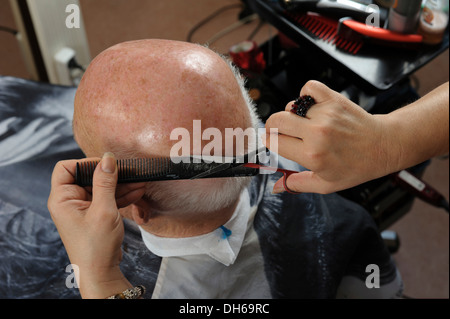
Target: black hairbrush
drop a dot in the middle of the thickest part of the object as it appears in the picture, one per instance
(160, 169)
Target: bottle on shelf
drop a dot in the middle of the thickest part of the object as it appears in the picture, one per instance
(433, 21)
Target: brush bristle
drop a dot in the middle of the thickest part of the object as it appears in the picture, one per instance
(326, 29)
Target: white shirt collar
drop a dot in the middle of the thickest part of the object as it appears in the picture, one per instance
(222, 244)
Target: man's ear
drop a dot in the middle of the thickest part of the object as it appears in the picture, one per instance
(139, 215)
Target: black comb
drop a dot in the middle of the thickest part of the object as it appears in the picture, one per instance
(159, 169)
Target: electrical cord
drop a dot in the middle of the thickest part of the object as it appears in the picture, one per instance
(210, 17)
(8, 29)
(256, 30)
(231, 28)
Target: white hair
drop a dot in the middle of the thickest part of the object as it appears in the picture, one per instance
(248, 100)
(200, 196)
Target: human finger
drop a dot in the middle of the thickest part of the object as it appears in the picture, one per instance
(317, 90)
(304, 182)
(104, 184)
(123, 189)
(129, 197)
(63, 187)
(286, 123)
(289, 106)
(289, 147)
(64, 173)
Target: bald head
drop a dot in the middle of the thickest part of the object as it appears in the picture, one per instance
(134, 94)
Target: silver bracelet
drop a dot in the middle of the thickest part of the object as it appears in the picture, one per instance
(130, 293)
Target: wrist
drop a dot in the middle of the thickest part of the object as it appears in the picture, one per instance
(101, 283)
(410, 135)
(389, 152)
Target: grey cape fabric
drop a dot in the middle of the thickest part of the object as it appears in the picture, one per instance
(309, 242)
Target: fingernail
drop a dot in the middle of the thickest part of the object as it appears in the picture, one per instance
(108, 163)
(277, 189)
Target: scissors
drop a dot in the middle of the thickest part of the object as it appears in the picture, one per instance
(247, 166)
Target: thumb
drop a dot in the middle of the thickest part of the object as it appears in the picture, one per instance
(104, 182)
(303, 182)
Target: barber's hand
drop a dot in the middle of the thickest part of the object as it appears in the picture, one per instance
(90, 225)
(340, 143)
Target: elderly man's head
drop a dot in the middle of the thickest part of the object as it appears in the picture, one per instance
(134, 94)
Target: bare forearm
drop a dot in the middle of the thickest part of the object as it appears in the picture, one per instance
(420, 131)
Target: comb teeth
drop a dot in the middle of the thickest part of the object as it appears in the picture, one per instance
(325, 29)
(129, 170)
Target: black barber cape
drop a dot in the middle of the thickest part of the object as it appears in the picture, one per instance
(309, 242)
